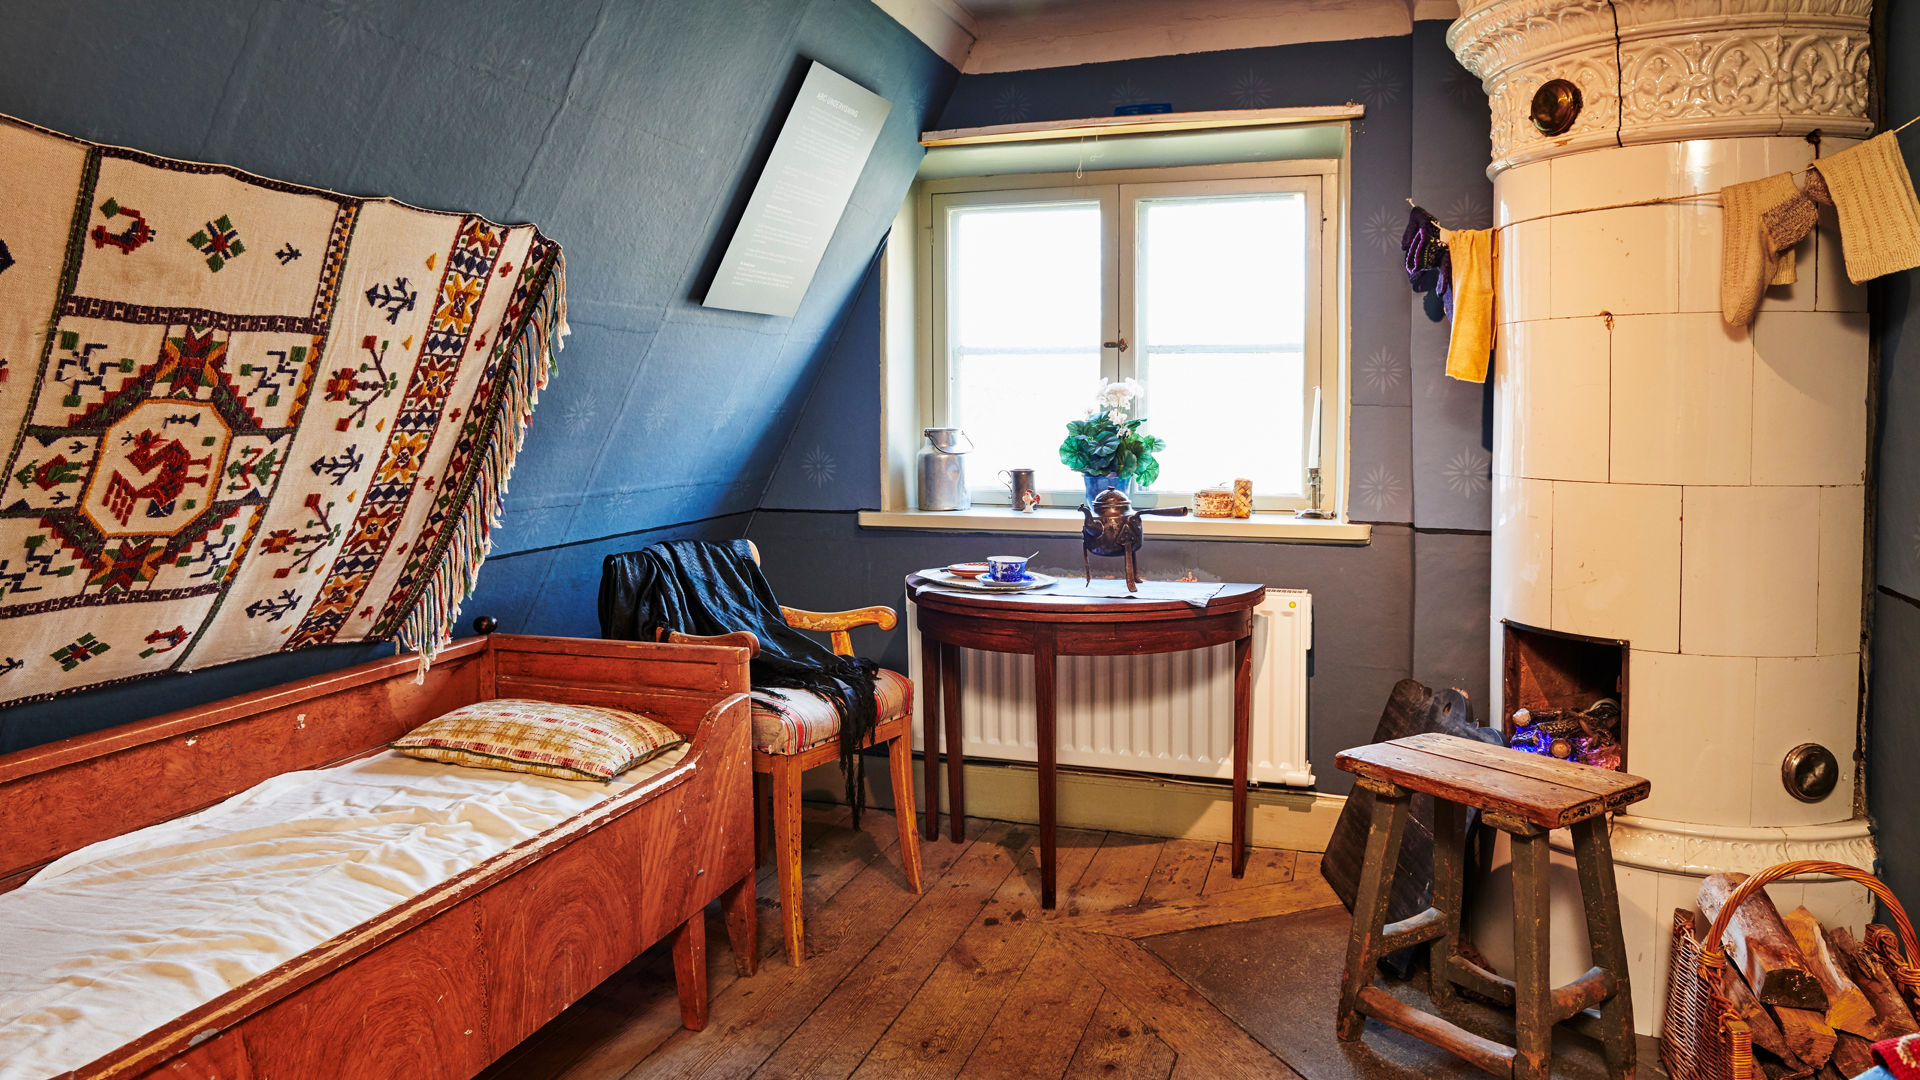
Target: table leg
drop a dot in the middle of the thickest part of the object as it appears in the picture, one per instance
(956, 753)
(930, 731)
(1043, 702)
(1242, 748)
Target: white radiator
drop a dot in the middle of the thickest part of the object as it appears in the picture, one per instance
(1167, 713)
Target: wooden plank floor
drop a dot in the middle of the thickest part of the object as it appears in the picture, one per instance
(969, 979)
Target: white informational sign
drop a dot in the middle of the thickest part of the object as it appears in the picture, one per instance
(800, 197)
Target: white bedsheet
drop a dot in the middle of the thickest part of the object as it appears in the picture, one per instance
(117, 938)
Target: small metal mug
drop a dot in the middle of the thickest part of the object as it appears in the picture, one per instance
(1020, 481)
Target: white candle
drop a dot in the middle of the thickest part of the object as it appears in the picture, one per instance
(1313, 433)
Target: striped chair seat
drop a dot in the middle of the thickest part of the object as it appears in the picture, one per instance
(790, 721)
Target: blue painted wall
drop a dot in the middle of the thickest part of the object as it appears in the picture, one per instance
(1414, 602)
(632, 131)
(1893, 701)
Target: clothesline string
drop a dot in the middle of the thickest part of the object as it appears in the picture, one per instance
(1711, 198)
(1867, 184)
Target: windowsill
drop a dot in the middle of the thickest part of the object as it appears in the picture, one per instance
(1281, 526)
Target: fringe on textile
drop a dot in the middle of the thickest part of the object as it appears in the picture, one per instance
(524, 371)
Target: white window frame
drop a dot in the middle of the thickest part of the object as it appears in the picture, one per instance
(1119, 191)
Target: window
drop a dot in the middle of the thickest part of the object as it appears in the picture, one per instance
(1214, 291)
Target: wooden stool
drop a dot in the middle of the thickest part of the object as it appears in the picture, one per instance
(1525, 796)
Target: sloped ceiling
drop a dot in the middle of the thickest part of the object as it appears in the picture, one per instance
(631, 131)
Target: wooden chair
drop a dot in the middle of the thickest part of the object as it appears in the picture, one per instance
(784, 750)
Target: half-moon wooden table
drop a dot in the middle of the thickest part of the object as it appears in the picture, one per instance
(1068, 620)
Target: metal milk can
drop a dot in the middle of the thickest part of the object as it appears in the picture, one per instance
(943, 472)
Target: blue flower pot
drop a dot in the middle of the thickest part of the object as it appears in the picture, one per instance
(1097, 484)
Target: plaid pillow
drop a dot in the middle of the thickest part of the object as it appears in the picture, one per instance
(541, 737)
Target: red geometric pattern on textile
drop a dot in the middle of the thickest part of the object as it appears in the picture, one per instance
(472, 434)
(468, 267)
(173, 421)
(1900, 1056)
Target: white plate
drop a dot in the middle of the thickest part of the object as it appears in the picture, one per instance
(982, 584)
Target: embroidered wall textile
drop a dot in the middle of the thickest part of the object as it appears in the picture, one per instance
(244, 416)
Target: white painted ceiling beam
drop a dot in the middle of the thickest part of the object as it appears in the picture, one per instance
(942, 25)
(979, 36)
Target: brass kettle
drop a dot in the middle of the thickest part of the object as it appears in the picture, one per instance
(1111, 526)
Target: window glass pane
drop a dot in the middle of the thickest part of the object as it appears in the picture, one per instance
(1223, 270)
(1226, 415)
(1015, 409)
(1222, 318)
(1024, 326)
(1025, 277)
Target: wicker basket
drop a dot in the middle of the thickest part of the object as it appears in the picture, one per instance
(1704, 1039)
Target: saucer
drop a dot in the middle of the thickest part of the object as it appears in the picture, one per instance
(1031, 581)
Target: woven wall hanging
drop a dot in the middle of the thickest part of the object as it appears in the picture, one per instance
(244, 416)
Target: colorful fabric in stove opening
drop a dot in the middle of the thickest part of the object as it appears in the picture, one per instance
(1590, 736)
(244, 415)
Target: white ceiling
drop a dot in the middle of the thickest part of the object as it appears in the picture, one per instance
(1014, 35)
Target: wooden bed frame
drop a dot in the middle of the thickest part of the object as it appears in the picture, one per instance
(442, 985)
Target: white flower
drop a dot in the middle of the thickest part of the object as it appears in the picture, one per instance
(1113, 398)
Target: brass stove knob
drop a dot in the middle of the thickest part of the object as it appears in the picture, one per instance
(1810, 772)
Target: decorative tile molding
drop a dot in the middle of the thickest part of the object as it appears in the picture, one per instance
(1673, 69)
(1698, 850)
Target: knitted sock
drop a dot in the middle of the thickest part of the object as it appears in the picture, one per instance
(1745, 270)
(1817, 188)
(1783, 226)
(1879, 214)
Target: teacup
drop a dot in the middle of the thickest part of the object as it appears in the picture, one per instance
(1007, 568)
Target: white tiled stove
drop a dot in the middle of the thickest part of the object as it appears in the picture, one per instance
(1660, 477)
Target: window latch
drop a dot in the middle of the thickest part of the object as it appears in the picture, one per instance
(1120, 344)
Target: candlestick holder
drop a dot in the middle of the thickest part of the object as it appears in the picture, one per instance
(1314, 512)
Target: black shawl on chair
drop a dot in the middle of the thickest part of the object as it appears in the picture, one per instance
(700, 587)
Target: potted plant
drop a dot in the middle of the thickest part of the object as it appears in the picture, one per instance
(1107, 449)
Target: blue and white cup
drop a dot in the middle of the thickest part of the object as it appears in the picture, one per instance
(1007, 569)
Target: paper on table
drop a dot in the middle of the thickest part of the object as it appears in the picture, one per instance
(1197, 593)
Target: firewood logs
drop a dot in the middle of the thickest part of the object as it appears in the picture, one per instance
(1761, 948)
(1808, 1038)
(1814, 999)
(1847, 1007)
(1871, 976)
(1760, 1023)
(1852, 1055)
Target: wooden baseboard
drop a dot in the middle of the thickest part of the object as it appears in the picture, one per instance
(1146, 805)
